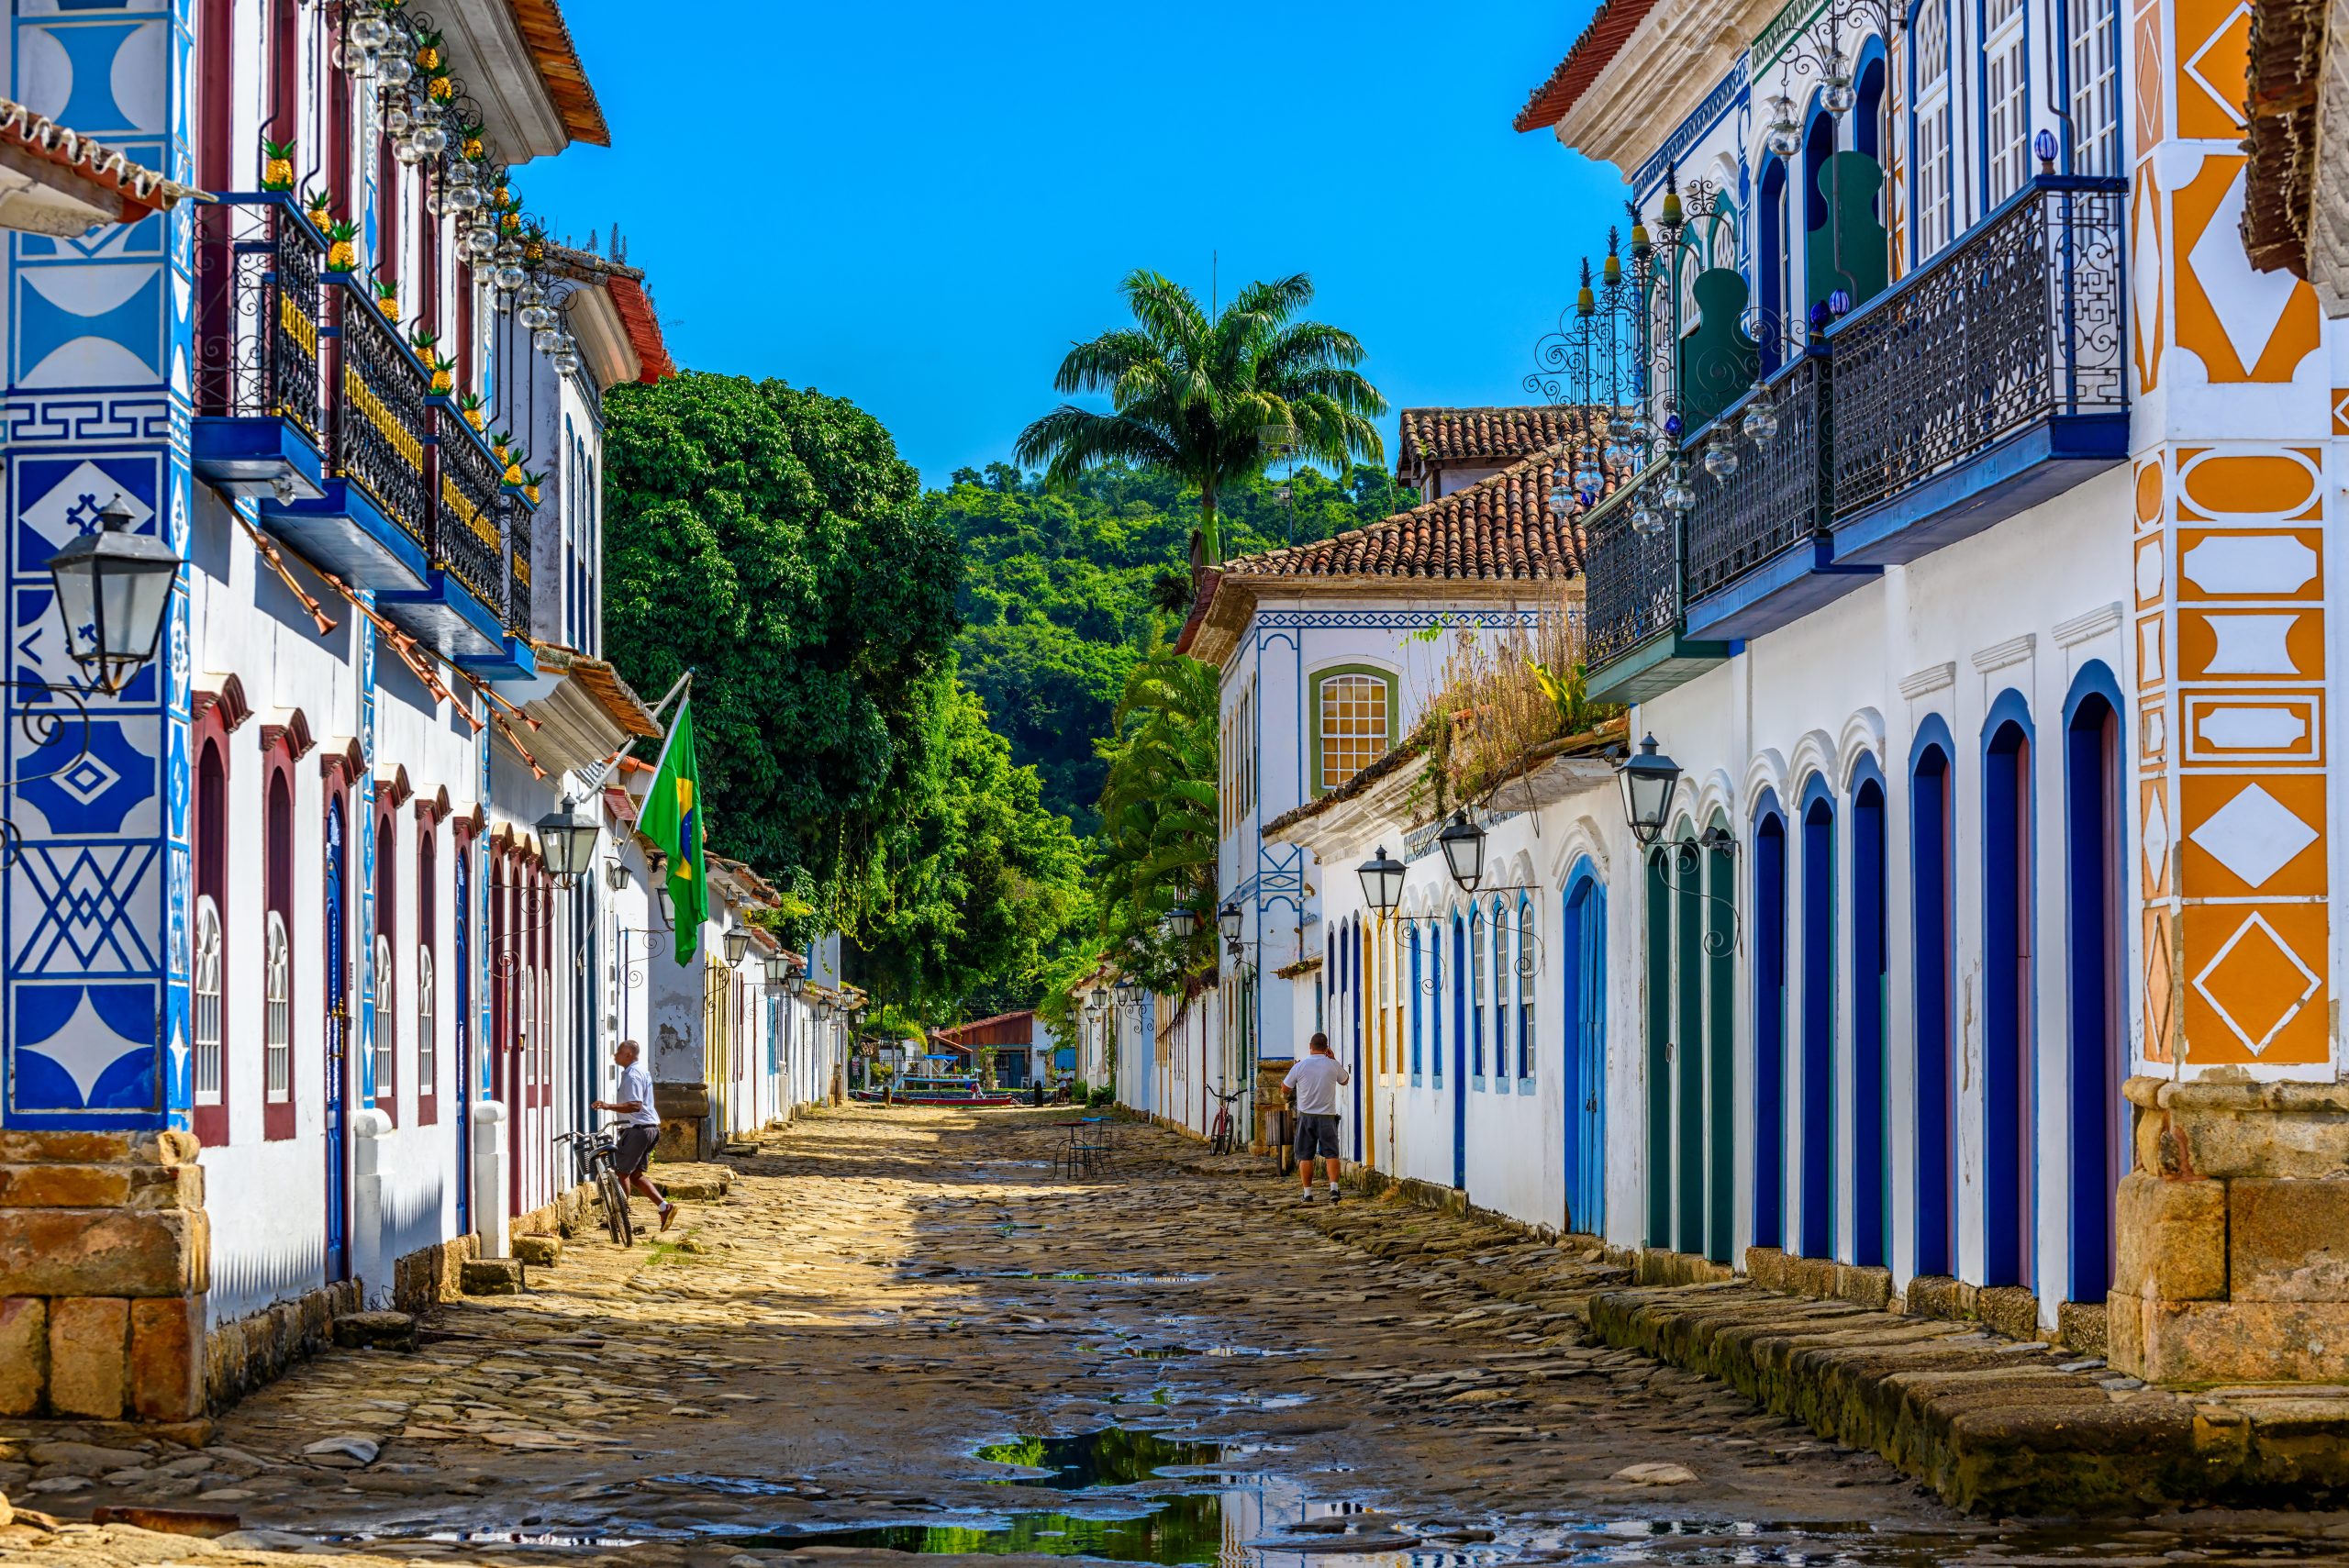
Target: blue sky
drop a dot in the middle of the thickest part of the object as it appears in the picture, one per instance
(918, 205)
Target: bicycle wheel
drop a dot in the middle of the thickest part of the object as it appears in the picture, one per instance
(616, 1213)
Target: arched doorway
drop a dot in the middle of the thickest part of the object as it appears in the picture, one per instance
(1583, 1062)
(2094, 948)
(2009, 982)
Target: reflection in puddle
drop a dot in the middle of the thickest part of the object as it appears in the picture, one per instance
(1111, 1457)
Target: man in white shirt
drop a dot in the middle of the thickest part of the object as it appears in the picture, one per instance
(639, 1127)
(1313, 1083)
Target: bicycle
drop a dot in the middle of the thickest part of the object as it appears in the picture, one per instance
(1225, 1137)
(591, 1157)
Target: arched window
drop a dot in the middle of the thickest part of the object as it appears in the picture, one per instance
(387, 1027)
(277, 1012)
(208, 964)
(1871, 1106)
(1526, 965)
(1774, 264)
(428, 1027)
(1418, 1022)
(277, 990)
(1476, 995)
(1355, 720)
(2097, 894)
(204, 983)
(1433, 937)
(1498, 932)
(1819, 979)
(428, 1002)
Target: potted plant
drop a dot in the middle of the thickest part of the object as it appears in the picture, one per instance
(276, 165)
(342, 246)
(469, 405)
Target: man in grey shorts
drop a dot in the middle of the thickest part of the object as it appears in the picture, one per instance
(639, 1128)
(1313, 1083)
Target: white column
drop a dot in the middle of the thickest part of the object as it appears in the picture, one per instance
(489, 1177)
(369, 1265)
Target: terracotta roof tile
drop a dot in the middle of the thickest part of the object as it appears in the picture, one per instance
(1498, 529)
(2287, 45)
(1436, 437)
(547, 37)
(142, 189)
(1612, 27)
(635, 306)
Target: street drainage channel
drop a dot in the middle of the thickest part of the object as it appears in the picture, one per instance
(1233, 1516)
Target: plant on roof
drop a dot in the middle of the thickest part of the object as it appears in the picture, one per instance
(1501, 701)
(1195, 394)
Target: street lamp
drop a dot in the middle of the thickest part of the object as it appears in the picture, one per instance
(663, 899)
(796, 983)
(1382, 881)
(778, 969)
(1229, 921)
(616, 874)
(738, 945)
(570, 840)
(1648, 780)
(1463, 843)
(112, 588)
(1183, 920)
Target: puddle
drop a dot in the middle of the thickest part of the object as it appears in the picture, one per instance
(735, 1485)
(1173, 1530)
(1111, 1457)
(555, 1539)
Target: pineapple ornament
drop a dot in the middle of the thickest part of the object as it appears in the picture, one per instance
(444, 375)
(531, 482)
(387, 299)
(342, 247)
(276, 165)
(469, 406)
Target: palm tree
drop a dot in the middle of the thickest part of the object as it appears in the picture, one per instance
(1157, 845)
(1210, 401)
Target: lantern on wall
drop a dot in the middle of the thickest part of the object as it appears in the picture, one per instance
(1382, 881)
(1463, 843)
(111, 589)
(1648, 782)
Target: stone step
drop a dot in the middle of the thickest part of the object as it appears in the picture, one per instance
(494, 1276)
(540, 1251)
(375, 1330)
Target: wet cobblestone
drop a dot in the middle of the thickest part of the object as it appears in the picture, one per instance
(883, 1293)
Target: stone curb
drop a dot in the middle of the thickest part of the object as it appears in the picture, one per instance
(1992, 1425)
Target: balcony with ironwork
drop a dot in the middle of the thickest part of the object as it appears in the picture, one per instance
(460, 610)
(261, 417)
(1635, 641)
(369, 525)
(1987, 381)
(1760, 548)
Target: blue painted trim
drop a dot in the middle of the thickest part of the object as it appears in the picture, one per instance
(2039, 461)
(344, 531)
(1816, 876)
(1769, 915)
(1932, 780)
(2009, 1047)
(240, 456)
(1799, 580)
(1871, 948)
(2096, 903)
(2095, 679)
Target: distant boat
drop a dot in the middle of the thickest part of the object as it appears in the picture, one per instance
(939, 1089)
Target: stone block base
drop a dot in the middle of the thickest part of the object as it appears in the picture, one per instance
(430, 1275)
(686, 1133)
(375, 1330)
(105, 1259)
(2233, 1234)
(494, 1276)
(253, 1352)
(538, 1251)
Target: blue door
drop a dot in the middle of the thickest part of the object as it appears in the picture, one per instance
(464, 989)
(1460, 1004)
(337, 1018)
(1584, 1092)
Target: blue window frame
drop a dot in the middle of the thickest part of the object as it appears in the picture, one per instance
(1583, 1063)
(1525, 968)
(1498, 932)
(1418, 1042)
(2096, 894)
(1871, 1107)
(1435, 1000)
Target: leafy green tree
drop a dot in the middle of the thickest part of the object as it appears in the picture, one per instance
(1157, 845)
(1060, 584)
(1193, 395)
(771, 539)
(958, 913)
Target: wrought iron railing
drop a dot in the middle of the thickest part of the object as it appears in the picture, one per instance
(380, 426)
(1631, 590)
(521, 530)
(2022, 321)
(466, 504)
(1773, 493)
(259, 310)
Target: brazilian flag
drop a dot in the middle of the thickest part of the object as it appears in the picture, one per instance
(673, 821)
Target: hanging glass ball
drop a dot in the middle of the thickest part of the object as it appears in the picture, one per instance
(462, 197)
(1839, 95)
(565, 356)
(407, 151)
(396, 70)
(1562, 499)
(1721, 459)
(1645, 520)
(369, 31)
(509, 277)
(534, 316)
(396, 121)
(1587, 477)
(431, 141)
(546, 339)
(484, 241)
(1760, 424)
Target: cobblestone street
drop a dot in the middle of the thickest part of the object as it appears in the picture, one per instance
(810, 1369)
